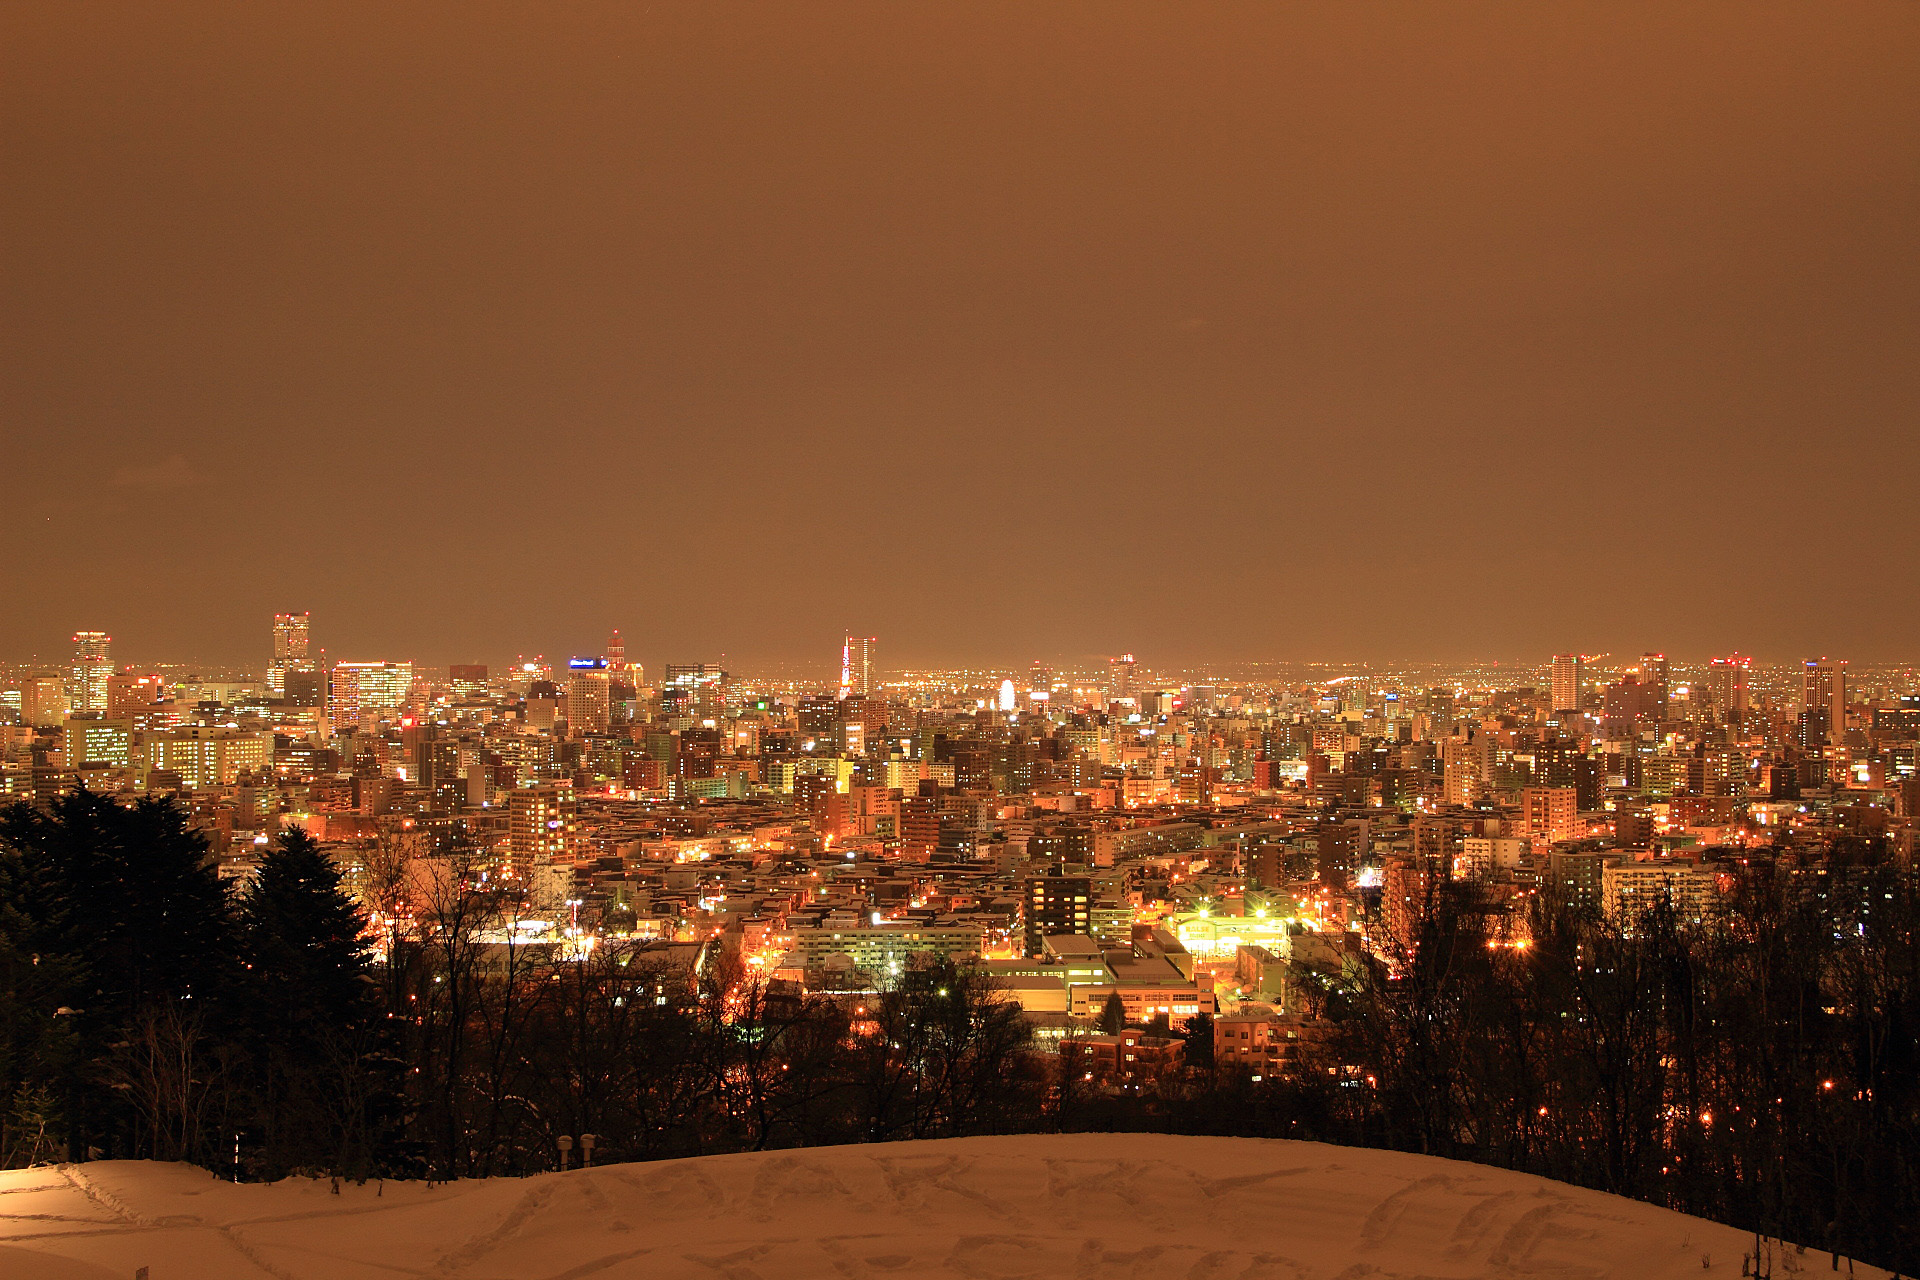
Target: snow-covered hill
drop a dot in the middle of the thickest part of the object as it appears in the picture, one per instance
(1104, 1207)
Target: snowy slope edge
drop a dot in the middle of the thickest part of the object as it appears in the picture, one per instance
(1113, 1206)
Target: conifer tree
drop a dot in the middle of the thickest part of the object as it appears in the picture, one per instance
(120, 914)
(313, 1013)
(1113, 1015)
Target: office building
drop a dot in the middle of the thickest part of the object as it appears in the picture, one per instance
(1823, 696)
(697, 689)
(133, 695)
(43, 701)
(589, 696)
(1727, 687)
(1654, 676)
(206, 757)
(367, 689)
(102, 741)
(92, 664)
(1567, 682)
(291, 651)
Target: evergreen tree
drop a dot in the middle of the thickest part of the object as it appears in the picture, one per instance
(1197, 1034)
(118, 952)
(1113, 1015)
(313, 1014)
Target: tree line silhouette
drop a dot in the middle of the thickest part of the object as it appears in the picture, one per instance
(1761, 1072)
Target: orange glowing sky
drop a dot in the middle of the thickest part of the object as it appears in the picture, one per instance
(1203, 331)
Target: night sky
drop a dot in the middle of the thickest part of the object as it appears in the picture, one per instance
(1207, 331)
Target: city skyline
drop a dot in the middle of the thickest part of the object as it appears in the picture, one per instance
(612, 583)
(300, 674)
(831, 667)
(854, 667)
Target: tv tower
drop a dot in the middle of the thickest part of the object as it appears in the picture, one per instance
(856, 665)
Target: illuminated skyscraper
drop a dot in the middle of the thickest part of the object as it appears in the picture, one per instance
(290, 638)
(134, 696)
(1120, 678)
(92, 664)
(589, 696)
(542, 827)
(108, 741)
(43, 701)
(362, 687)
(856, 665)
(1654, 672)
(698, 689)
(818, 719)
(1824, 694)
(290, 649)
(616, 652)
(208, 756)
(1727, 683)
(1567, 682)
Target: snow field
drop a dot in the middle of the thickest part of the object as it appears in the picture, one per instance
(1046, 1207)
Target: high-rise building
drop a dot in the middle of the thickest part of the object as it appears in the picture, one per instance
(290, 649)
(1654, 675)
(1040, 681)
(1567, 682)
(1824, 696)
(1574, 877)
(104, 741)
(92, 664)
(1463, 768)
(616, 652)
(1627, 705)
(305, 686)
(542, 827)
(136, 697)
(362, 687)
(206, 756)
(437, 767)
(1549, 815)
(818, 719)
(856, 665)
(43, 702)
(290, 638)
(1727, 686)
(698, 689)
(589, 696)
(1120, 678)
(1056, 903)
